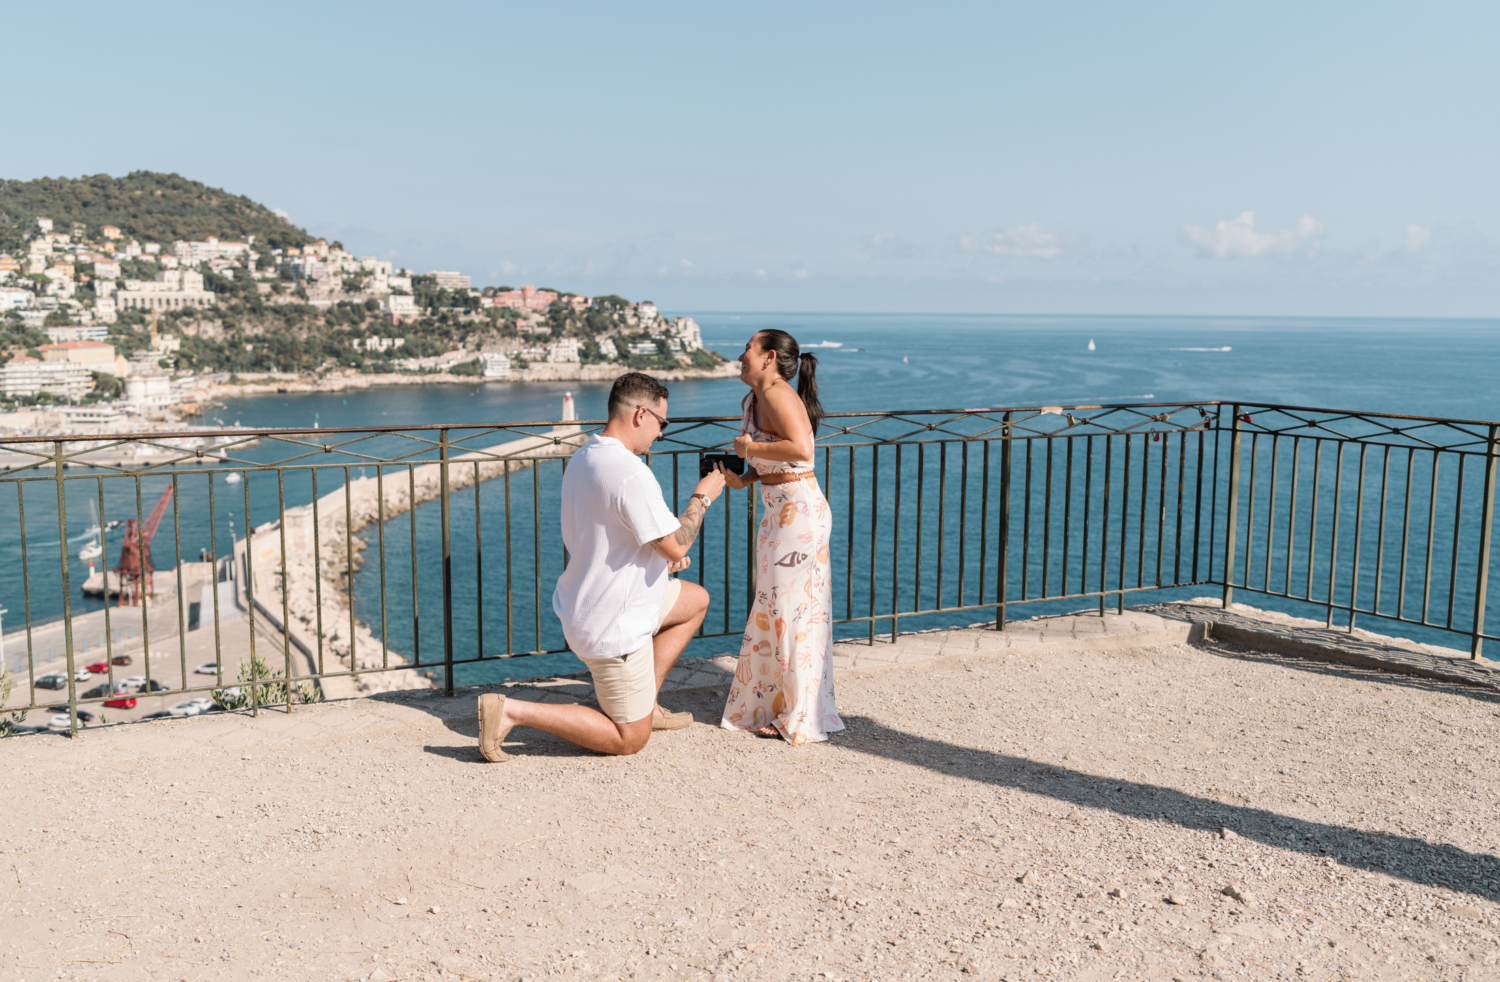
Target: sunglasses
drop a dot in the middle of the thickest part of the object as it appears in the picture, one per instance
(659, 418)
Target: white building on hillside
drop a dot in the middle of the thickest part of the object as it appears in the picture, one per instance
(172, 289)
(149, 389)
(210, 248)
(27, 376)
(90, 332)
(449, 281)
(563, 350)
(494, 365)
(687, 332)
(398, 308)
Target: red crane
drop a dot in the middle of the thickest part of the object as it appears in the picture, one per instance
(136, 571)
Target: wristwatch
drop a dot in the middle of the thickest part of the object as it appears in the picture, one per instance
(707, 501)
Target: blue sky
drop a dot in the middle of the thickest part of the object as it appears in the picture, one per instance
(1237, 158)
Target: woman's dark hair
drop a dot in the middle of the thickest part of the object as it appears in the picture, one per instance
(791, 361)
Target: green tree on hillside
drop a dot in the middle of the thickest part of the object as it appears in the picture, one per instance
(146, 205)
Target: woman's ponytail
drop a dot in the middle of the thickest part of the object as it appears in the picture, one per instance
(807, 388)
(791, 361)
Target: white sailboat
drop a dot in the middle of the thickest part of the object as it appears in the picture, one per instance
(93, 550)
(1091, 344)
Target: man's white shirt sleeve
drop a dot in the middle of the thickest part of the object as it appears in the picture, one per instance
(644, 510)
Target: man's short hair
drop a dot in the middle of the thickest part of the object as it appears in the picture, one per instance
(634, 389)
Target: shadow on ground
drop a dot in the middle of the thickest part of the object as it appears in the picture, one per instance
(1403, 857)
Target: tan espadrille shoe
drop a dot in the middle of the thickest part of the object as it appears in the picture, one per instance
(491, 736)
(670, 721)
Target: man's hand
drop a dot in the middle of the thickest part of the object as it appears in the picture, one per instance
(711, 484)
(679, 565)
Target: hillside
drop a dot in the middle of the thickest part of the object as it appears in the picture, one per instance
(144, 205)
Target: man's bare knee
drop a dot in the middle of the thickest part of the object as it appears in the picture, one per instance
(695, 598)
(634, 737)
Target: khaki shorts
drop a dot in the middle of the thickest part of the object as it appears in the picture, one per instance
(626, 686)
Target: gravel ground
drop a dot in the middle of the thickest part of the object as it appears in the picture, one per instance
(1163, 813)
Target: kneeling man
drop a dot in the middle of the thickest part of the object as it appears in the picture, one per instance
(620, 610)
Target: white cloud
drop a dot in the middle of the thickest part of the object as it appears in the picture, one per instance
(1235, 238)
(886, 245)
(685, 263)
(281, 214)
(1417, 238)
(761, 273)
(1021, 242)
(799, 274)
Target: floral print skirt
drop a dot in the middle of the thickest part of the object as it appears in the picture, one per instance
(784, 677)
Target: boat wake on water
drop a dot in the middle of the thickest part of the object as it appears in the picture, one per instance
(1225, 348)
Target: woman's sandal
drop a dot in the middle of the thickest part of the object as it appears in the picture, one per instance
(767, 733)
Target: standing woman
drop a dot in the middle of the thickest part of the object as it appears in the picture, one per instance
(783, 683)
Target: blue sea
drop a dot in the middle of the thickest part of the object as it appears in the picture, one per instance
(866, 363)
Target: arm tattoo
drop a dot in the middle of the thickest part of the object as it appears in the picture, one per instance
(692, 522)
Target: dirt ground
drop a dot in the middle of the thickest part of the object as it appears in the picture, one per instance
(1037, 815)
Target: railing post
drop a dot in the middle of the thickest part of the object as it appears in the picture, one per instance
(1231, 520)
(1002, 574)
(67, 590)
(1486, 534)
(447, 565)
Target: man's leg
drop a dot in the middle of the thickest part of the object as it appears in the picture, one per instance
(586, 727)
(678, 628)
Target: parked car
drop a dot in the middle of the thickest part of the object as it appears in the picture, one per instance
(190, 708)
(60, 721)
(120, 660)
(52, 682)
(121, 701)
(83, 675)
(207, 668)
(138, 682)
(95, 692)
(204, 705)
(97, 668)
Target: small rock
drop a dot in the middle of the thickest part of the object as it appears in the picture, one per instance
(1468, 913)
(1212, 959)
(1027, 879)
(1228, 834)
(1119, 894)
(970, 964)
(400, 900)
(1177, 899)
(434, 910)
(1009, 903)
(1101, 946)
(1238, 891)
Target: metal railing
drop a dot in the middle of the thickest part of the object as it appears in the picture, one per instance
(357, 537)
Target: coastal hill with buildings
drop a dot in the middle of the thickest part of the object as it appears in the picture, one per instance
(108, 319)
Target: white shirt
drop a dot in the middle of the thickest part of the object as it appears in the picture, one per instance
(609, 598)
